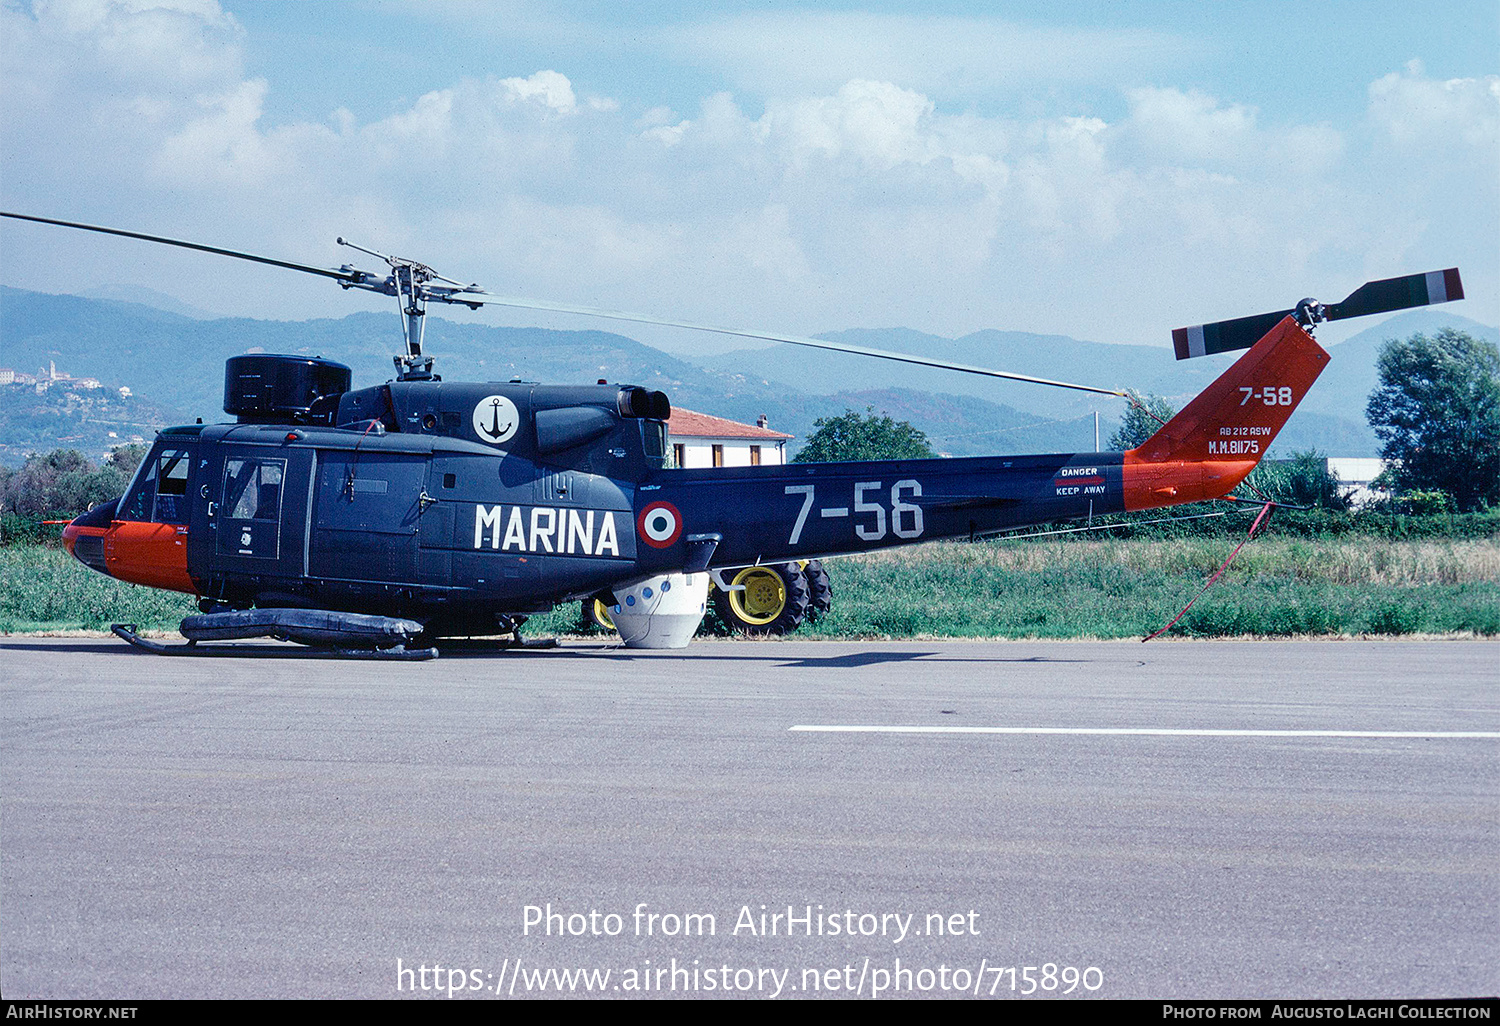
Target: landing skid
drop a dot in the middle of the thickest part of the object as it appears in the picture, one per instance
(127, 631)
(496, 644)
(509, 624)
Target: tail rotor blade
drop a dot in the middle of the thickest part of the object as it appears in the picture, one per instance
(1222, 336)
(1402, 293)
(1372, 297)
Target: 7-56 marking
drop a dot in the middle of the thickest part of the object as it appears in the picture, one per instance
(877, 519)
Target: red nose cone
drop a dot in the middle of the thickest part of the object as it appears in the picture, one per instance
(85, 542)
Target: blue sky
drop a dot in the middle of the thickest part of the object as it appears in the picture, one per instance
(1107, 170)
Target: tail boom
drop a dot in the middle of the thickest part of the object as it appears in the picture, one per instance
(1218, 438)
(771, 514)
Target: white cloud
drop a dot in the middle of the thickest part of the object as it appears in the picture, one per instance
(668, 135)
(1413, 110)
(875, 122)
(781, 53)
(766, 241)
(1436, 144)
(1190, 124)
(225, 142)
(548, 88)
(1190, 127)
(162, 42)
(862, 202)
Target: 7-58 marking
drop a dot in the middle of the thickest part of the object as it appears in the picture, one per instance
(1270, 395)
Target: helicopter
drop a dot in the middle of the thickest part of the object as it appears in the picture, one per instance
(375, 521)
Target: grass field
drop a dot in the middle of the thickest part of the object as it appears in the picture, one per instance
(1050, 588)
(1110, 588)
(44, 588)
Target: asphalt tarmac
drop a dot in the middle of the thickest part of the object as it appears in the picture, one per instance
(1188, 820)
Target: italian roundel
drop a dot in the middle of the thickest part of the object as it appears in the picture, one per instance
(659, 524)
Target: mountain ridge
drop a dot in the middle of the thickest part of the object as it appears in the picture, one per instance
(177, 361)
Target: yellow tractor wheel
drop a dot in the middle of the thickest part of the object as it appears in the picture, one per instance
(764, 599)
(595, 612)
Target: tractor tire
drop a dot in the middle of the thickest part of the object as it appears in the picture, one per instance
(820, 590)
(595, 615)
(775, 600)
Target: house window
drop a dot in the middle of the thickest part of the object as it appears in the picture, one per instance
(679, 456)
(755, 455)
(718, 455)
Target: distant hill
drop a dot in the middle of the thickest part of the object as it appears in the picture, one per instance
(179, 361)
(176, 363)
(960, 425)
(1050, 356)
(1347, 383)
(1331, 419)
(67, 416)
(138, 296)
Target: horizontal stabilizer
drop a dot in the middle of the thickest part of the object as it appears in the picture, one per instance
(1372, 297)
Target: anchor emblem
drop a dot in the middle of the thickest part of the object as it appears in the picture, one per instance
(495, 419)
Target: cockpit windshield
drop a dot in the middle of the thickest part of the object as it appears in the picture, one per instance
(158, 492)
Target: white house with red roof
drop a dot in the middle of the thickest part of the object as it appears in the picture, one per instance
(702, 440)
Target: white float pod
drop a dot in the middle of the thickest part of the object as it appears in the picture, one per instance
(662, 612)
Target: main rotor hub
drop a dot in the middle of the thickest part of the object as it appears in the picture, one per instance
(1309, 313)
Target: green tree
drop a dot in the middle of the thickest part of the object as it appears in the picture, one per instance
(1138, 425)
(125, 458)
(1436, 412)
(863, 436)
(61, 482)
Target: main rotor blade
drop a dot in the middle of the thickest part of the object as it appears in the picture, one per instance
(1372, 297)
(795, 340)
(474, 297)
(344, 276)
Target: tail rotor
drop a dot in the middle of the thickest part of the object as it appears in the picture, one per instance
(1372, 297)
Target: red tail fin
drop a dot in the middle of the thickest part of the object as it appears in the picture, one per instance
(1219, 437)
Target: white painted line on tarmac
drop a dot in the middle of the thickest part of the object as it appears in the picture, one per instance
(834, 728)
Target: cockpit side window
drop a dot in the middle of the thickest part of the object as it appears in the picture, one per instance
(252, 489)
(654, 433)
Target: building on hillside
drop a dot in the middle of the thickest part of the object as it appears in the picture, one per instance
(1354, 475)
(702, 440)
